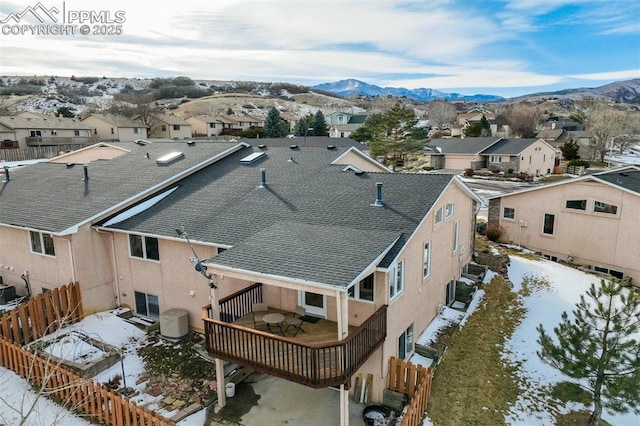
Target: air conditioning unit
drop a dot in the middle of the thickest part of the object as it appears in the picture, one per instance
(174, 323)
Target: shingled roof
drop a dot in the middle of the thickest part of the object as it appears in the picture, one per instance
(313, 221)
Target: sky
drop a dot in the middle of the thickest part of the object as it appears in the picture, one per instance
(500, 47)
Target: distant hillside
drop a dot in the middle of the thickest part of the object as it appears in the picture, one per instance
(352, 87)
(621, 91)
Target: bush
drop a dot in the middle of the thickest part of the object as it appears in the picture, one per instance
(468, 172)
(481, 228)
(578, 163)
(494, 232)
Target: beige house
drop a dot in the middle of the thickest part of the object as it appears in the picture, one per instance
(110, 127)
(531, 156)
(371, 255)
(44, 131)
(209, 125)
(591, 221)
(170, 127)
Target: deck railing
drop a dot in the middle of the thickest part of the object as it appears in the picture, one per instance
(328, 364)
(239, 304)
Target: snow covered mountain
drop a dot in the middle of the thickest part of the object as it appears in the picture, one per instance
(352, 87)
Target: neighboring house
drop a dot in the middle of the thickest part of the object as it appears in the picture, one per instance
(170, 127)
(110, 127)
(563, 123)
(291, 120)
(209, 125)
(586, 144)
(554, 137)
(591, 221)
(44, 131)
(342, 124)
(373, 254)
(531, 156)
(498, 125)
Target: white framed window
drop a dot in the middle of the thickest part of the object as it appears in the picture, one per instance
(448, 210)
(576, 204)
(147, 305)
(439, 215)
(426, 270)
(54, 133)
(548, 224)
(495, 159)
(602, 207)
(456, 235)
(176, 127)
(42, 243)
(144, 247)
(137, 130)
(396, 279)
(363, 290)
(76, 133)
(509, 213)
(405, 343)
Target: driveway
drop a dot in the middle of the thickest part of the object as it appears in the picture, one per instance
(265, 400)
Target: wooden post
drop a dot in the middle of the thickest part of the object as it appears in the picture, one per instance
(344, 405)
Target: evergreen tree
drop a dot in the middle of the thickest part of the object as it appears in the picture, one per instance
(303, 125)
(473, 130)
(570, 150)
(319, 125)
(391, 134)
(273, 125)
(597, 348)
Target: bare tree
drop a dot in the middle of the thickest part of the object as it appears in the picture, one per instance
(605, 125)
(138, 106)
(523, 120)
(441, 113)
(631, 132)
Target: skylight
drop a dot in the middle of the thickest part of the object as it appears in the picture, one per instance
(251, 158)
(168, 158)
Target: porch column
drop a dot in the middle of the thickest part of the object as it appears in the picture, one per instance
(344, 405)
(342, 307)
(215, 314)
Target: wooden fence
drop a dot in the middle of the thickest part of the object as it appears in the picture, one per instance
(415, 382)
(38, 152)
(42, 314)
(78, 394)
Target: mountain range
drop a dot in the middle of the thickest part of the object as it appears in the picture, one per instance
(620, 91)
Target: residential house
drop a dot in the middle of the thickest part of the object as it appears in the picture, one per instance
(43, 131)
(342, 124)
(498, 125)
(372, 255)
(590, 221)
(110, 127)
(209, 125)
(170, 127)
(586, 144)
(291, 120)
(531, 156)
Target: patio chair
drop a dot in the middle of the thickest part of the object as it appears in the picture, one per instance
(296, 320)
(259, 310)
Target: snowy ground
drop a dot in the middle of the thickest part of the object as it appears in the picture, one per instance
(544, 306)
(15, 394)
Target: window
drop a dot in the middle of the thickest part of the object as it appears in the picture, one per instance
(449, 210)
(35, 133)
(455, 236)
(509, 213)
(427, 260)
(602, 207)
(137, 130)
(144, 247)
(495, 159)
(112, 131)
(54, 132)
(450, 293)
(396, 279)
(439, 215)
(405, 343)
(363, 290)
(147, 305)
(42, 243)
(549, 221)
(163, 128)
(176, 127)
(576, 204)
(212, 125)
(611, 272)
(76, 133)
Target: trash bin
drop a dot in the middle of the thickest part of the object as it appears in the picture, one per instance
(230, 390)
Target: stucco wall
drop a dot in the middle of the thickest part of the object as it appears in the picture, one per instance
(601, 239)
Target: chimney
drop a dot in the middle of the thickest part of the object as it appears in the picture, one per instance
(378, 202)
(7, 178)
(85, 170)
(263, 180)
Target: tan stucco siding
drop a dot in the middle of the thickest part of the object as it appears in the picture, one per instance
(537, 159)
(461, 162)
(353, 159)
(601, 239)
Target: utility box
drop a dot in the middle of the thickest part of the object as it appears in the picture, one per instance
(7, 294)
(174, 323)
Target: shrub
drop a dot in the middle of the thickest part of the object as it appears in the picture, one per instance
(481, 228)
(468, 172)
(494, 232)
(510, 170)
(578, 163)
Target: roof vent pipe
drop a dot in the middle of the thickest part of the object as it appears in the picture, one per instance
(7, 178)
(378, 202)
(263, 178)
(85, 171)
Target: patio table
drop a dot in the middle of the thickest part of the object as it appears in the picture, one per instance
(274, 319)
